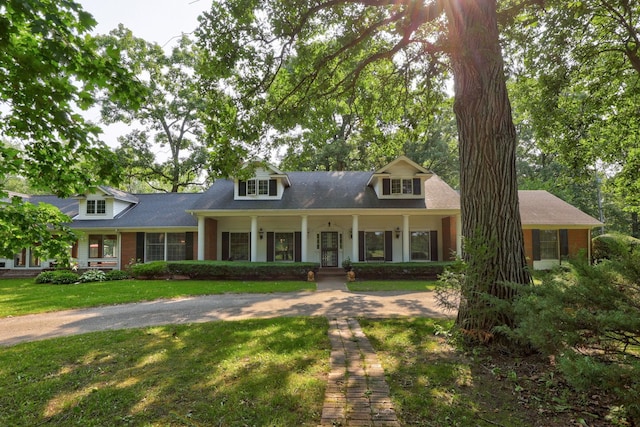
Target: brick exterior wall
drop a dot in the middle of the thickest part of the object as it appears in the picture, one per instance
(449, 237)
(127, 248)
(210, 239)
(578, 240)
(528, 246)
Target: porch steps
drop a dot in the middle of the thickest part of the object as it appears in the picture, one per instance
(331, 272)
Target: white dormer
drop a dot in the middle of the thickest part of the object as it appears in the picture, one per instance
(400, 179)
(267, 183)
(104, 203)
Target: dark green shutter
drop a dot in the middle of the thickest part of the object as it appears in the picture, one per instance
(417, 189)
(564, 243)
(388, 245)
(225, 245)
(386, 186)
(535, 238)
(297, 246)
(188, 249)
(361, 246)
(242, 188)
(270, 246)
(433, 241)
(273, 187)
(140, 246)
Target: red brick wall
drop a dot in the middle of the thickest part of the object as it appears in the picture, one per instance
(449, 237)
(578, 240)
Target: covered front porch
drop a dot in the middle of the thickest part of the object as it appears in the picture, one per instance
(330, 238)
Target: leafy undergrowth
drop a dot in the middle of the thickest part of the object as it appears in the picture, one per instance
(256, 372)
(433, 384)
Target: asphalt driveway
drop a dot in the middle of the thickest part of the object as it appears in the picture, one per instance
(328, 303)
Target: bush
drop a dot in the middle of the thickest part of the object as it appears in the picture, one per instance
(399, 270)
(93, 276)
(613, 246)
(57, 277)
(235, 270)
(588, 318)
(149, 270)
(117, 275)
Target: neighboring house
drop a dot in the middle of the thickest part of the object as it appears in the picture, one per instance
(400, 213)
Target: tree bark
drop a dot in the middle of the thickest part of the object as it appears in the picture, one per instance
(491, 225)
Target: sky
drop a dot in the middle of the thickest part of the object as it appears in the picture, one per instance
(160, 21)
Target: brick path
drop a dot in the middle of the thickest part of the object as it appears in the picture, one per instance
(357, 393)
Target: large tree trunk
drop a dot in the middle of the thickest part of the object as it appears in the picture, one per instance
(491, 225)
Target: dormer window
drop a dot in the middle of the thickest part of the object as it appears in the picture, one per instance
(96, 207)
(258, 187)
(402, 186)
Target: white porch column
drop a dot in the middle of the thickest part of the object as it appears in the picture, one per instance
(304, 233)
(355, 239)
(200, 238)
(406, 239)
(254, 238)
(459, 235)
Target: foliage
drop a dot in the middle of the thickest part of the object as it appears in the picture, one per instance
(588, 318)
(167, 120)
(399, 270)
(58, 277)
(149, 270)
(52, 69)
(614, 246)
(116, 275)
(93, 275)
(42, 227)
(234, 270)
(253, 372)
(577, 70)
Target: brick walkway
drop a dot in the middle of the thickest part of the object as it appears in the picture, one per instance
(357, 393)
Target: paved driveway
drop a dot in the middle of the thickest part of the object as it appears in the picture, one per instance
(332, 304)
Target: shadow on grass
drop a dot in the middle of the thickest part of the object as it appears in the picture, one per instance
(256, 372)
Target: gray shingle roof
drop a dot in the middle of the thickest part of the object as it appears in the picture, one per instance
(538, 207)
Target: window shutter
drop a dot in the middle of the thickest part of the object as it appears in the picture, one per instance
(361, 246)
(242, 188)
(270, 246)
(388, 245)
(140, 246)
(273, 187)
(188, 246)
(535, 237)
(225, 245)
(297, 237)
(564, 243)
(386, 186)
(433, 245)
(417, 188)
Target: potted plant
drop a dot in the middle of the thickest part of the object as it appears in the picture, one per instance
(346, 264)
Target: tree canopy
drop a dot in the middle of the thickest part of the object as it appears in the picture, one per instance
(51, 70)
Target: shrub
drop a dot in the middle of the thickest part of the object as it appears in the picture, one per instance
(149, 270)
(613, 246)
(93, 276)
(588, 318)
(57, 277)
(45, 277)
(399, 270)
(117, 275)
(237, 270)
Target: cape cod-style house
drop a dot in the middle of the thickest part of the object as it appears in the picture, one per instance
(399, 213)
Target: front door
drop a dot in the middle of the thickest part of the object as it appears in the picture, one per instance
(329, 248)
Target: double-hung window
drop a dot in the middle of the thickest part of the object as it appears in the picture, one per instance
(548, 244)
(401, 186)
(420, 245)
(96, 207)
(374, 245)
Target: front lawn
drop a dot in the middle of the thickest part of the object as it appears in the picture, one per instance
(391, 285)
(24, 296)
(257, 372)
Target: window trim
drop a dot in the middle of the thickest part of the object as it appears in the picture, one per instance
(401, 186)
(96, 207)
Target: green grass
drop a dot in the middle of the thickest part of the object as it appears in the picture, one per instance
(432, 384)
(391, 285)
(257, 372)
(24, 296)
